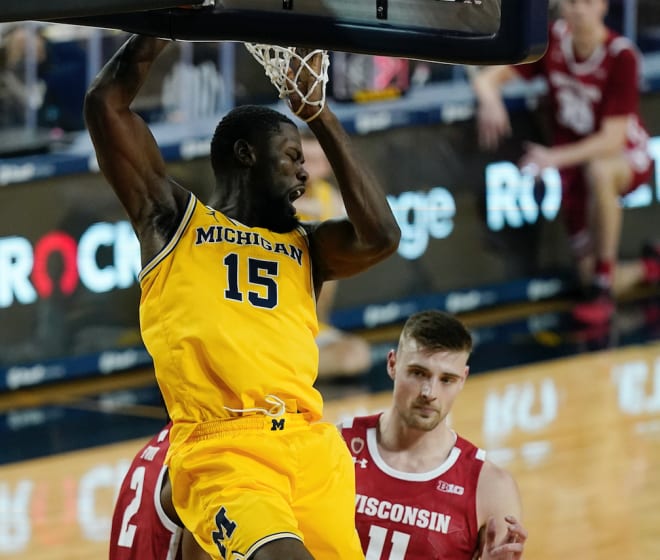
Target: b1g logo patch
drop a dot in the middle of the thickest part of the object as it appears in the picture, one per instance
(450, 488)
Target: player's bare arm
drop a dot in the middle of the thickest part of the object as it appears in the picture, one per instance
(499, 511)
(608, 142)
(190, 550)
(493, 121)
(370, 233)
(343, 247)
(127, 153)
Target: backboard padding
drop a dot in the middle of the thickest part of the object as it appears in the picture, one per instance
(418, 29)
(482, 17)
(19, 10)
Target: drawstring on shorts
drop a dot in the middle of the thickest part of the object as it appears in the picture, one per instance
(277, 409)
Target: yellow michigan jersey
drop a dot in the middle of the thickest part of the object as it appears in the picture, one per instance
(228, 315)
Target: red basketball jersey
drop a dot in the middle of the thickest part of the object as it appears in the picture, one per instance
(584, 92)
(414, 516)
(140, 528)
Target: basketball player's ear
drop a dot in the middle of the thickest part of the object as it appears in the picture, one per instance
(244, 153)
(464, 378)
(391, 363)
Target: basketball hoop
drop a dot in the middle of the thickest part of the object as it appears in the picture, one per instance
(276, 62)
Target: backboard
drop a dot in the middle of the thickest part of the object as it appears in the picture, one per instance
(452, 31)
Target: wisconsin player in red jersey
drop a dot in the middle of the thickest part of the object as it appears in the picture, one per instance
(144, 523)
(599, 145)
(424, 492)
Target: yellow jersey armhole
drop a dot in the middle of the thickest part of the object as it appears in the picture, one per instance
(171, 244)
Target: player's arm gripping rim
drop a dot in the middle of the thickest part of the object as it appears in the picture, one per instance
(369, 234)
(127, 152)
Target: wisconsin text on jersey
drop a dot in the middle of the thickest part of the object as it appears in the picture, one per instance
(399, 513)
(220, 234)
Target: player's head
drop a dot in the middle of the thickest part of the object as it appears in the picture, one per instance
(14, 39)
(256, 154)
(583, 15)
(429, 368)
(437, 331)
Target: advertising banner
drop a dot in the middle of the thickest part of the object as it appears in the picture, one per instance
(476, 232)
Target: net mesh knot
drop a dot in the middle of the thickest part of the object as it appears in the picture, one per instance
(276, 61)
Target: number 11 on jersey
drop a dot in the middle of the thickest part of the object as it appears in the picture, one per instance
(377, 537)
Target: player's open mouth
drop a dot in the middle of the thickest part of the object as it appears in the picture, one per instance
(296, 193)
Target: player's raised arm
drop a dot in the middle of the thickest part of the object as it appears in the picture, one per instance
(127, 153)
(345, 247)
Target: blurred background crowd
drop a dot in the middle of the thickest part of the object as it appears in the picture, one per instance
(45, 69)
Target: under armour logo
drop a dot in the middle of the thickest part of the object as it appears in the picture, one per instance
(277, 424)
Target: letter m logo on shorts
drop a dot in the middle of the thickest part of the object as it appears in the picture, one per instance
(277, 424)
(225, 530)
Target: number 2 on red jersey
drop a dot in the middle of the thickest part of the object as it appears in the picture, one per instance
(127, 531)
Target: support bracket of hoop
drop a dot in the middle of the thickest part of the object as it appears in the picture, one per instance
(381, 9)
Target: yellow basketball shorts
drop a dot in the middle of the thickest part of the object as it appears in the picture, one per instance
(238, 484)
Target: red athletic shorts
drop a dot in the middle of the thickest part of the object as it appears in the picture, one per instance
(575, 195)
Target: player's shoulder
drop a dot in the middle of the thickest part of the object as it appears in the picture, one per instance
(350, 422)
(495, 479)
(308, 227)
(620, 46)
(159, 441)
(358, 422)
(497, 493)
(558, 29)
(470, 449)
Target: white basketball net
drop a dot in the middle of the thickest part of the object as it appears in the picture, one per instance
(276, 62)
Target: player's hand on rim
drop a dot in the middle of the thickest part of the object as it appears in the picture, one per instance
(308, 88)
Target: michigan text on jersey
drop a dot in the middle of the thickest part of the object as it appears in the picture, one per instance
(219, 234)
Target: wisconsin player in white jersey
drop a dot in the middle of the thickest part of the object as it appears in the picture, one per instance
(423, 492)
